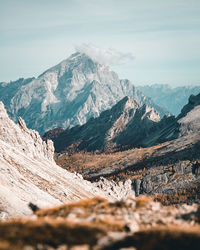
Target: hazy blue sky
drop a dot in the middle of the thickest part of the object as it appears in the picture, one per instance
(156, 41)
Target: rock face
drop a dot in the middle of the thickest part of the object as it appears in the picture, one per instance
(25, 140)
(189, 118)
(28, 172)
(173, 99)
(126, 123)
(68, 94)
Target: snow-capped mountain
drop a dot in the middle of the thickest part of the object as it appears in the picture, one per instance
(125, 124)
(68, 94)
(173, 99)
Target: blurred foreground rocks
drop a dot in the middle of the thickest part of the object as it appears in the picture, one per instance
(132, 223)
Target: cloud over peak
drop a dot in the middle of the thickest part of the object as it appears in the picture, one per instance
(104, 56)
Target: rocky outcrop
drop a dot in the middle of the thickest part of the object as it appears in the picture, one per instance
(125, 124)
(141, 125)
(25, 140)
(118, 190)
(68, 94)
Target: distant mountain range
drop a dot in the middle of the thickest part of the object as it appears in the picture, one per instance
(68, 94)
(172, 99)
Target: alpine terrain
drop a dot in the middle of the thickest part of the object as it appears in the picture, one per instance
(68, 94)
(169, 163)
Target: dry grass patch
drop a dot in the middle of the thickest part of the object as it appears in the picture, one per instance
(87, 163)
(188, 194)
(49, 232)
(142, 201)
(64, 210)
(97, 210)
(160, 238)
(83, 208)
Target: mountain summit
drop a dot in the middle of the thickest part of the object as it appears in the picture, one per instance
(68, 94)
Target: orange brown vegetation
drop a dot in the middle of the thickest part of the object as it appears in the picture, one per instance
(64, 210)
(50, 232)
(141, 201)
(84, 208)
(179, 196)
(94, 205)
(170, 238)
(53, 227)
(87, 163)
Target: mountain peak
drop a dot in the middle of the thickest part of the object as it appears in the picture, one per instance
(68, 94)
(79, 56)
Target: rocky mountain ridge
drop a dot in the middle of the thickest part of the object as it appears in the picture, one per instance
(68, 94)
(126, 123)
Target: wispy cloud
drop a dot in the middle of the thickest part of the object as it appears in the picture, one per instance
(104, 56)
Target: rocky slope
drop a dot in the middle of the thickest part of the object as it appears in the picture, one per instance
(173, 99)
(28, 172)
(126, 123)
(68, 94)
(171, 168)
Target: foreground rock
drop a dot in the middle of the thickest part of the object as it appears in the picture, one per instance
(98, 224)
